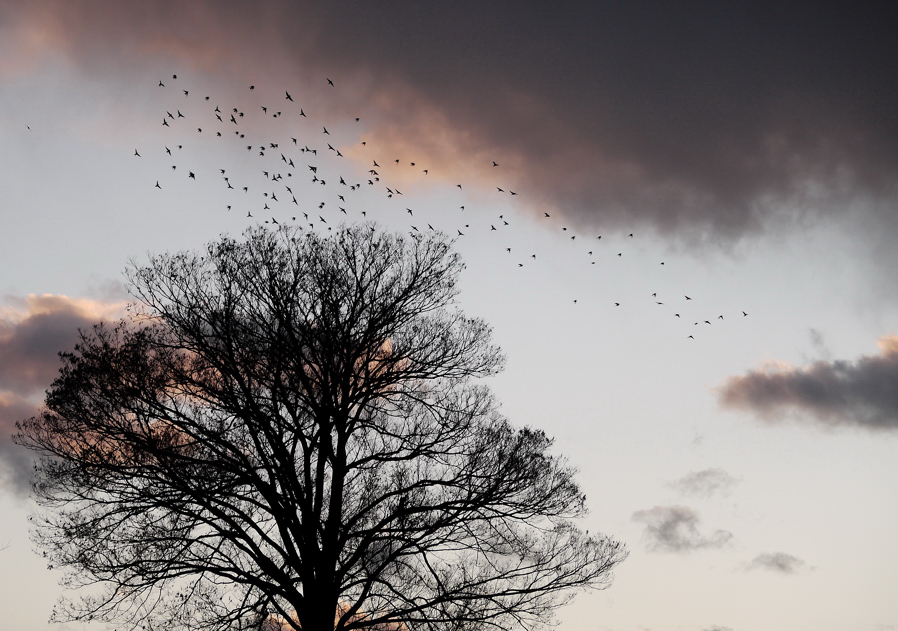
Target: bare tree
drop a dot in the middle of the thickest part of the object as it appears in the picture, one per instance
(287, 433)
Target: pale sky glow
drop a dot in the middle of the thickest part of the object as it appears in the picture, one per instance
(775, 195)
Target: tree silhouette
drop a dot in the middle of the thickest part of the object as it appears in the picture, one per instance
(287, 433)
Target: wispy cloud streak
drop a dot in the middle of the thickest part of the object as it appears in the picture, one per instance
(778, 562)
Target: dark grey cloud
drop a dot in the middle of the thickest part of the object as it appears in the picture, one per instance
(30, 344)
(705, 483)
(862, 393)
(676, 529)
(776, 562)
(15, 461)
(33, 330)
(701, 120)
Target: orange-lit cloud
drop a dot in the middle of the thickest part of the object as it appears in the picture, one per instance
(863, 393)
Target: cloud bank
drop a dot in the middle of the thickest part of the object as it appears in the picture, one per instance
(861, 393)
(33, 330)
(676, 529)
(703, 122)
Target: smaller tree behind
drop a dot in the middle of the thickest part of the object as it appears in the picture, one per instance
(287, 428)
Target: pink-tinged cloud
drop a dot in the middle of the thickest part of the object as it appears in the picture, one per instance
(862, 393)
(33, 331)
(676, 529)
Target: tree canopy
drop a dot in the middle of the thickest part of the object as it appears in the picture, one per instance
(289, 432)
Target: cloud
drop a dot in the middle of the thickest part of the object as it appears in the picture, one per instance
(15, 461)
(33, 330)
(675, 529)
(705, 483)
(862, 393)
(776, 562)
(704, 123)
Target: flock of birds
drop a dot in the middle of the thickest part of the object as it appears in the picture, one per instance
(290, 165)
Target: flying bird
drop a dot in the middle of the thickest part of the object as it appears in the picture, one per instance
(289, 98)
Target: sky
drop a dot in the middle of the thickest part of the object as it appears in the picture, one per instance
(741, 441)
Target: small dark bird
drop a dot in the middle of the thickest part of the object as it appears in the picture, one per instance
(157, 184)
(326, 132)
(616, 304)
(330, 82)
(165, 122)
(494, 164)
(720, 317)
(459, 186)
(168, 151)
(252, 87)
(191, 175)
(136, 154)
(547, 214)
(289, 98)
(161, 85)
(410, 212)
(744, 314)
(185, 92)
(687, 298)
(631, 235)
(691, 337)
(301, 113)
(500, 190)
